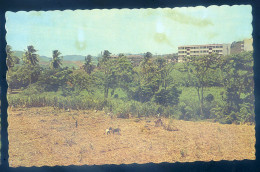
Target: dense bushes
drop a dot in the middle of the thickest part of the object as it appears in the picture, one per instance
(218, 88)
(167, 97)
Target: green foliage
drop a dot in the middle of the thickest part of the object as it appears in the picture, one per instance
(30, 57)
(56, 59)
(10, 57)
(201, 67)
(168, 97)
(88, 66)
(213, 87)
(209, 98)
(53, 79)
(22, 76)
(237, 71)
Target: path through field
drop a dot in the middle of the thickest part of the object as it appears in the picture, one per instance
(44, 136)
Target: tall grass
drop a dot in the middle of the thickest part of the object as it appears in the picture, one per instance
(187, 109)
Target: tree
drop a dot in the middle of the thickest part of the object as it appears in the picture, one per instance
(77, 81)
(56, 59)
(148, 55)
(237, 75)
(114, 73)
(23, 76)
(106, 65)
(146, 62)
(53, 79)
(10, 57)
(124, 72)
(200, 67)
(30, 57)
(143, 93)
(164, 69)
(147, 80)
(106, 56)
(88, 66)
(31, 60)
(168, 97)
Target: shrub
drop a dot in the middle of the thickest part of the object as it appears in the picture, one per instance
(168, 96)
(209, 98)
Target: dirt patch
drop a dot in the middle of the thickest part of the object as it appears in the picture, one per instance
(45, 136)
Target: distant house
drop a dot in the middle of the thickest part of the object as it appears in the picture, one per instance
(135, 59)
(172, 58)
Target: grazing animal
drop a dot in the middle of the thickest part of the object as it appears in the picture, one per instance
(158, 122)
(117, 130)
(107, 131)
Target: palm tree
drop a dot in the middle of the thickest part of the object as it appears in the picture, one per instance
(88, 67)
(10, 57)
(30, 57)
(56, 59)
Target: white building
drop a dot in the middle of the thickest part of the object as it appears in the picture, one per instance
(199, 50)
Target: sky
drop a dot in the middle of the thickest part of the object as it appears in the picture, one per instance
(159, 31)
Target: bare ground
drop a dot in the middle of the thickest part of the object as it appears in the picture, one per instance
(45, 136)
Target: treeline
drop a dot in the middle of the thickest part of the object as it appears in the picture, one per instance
(153, 87)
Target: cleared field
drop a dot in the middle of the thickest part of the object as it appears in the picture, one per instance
(45, 136)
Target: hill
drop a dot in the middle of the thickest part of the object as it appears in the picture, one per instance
(18, 54)
(73, 58)
(68, 60)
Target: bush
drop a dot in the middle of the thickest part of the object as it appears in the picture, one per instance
(168, 96)
(143, 93)
(209, 98)
(32, 89)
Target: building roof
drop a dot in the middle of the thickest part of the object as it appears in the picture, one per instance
(200, 45)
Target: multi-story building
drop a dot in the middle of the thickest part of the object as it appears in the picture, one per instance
(248, 44)
(239, 46)
(199, 50)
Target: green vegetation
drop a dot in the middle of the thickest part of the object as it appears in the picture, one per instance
(219, 88)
